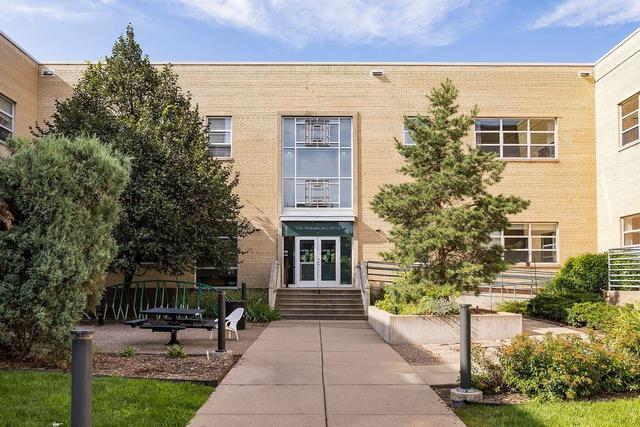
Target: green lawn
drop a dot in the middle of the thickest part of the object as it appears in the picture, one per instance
(621, 412)
(29, 398)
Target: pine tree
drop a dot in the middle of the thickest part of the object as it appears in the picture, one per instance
(442, 217)
(180, 201)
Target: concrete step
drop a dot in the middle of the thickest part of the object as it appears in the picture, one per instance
(322, 294)
(311, 311)
(323, 317)
(285, 305)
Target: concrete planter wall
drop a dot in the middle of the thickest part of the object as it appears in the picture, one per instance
(442, 329)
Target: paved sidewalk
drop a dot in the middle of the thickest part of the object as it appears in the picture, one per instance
(323, 373)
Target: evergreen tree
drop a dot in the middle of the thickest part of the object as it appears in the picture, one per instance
(442, 217)
(62, 198)
(180, 201)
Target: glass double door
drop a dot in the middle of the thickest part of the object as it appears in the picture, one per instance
(317, 261)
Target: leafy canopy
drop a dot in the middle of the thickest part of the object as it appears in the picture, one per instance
(180, 200)
(63, 198)
(442, 216)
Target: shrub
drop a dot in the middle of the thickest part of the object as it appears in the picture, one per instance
(588, 273)
(597, 315)
(63, 195)
(176, 351)
(486, 375)
(624, 333)
(553, 304)
(518, 307)
(563, 366)
(258, 310)
(128, 351)
(407, 297)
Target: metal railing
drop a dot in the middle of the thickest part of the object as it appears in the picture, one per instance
(154, 293)
(624, 268)
(274, 283)
(363, 284)
(515, 281)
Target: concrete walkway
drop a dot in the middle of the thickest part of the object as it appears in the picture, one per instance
(323, 373)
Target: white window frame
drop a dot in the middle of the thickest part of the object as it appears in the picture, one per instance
(530, 238)
(624, 232)
(11, 115)
(406, 135)
(225, 131)
(621, 118)
(300, 145)
(528, 132)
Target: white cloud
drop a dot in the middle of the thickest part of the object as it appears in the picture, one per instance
(59, 10)
(577, 13)
(300, 22)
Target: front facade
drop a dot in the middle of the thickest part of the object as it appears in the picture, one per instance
(314, 142)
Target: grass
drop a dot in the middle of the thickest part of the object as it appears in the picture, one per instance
(31, 398)
(619, 412)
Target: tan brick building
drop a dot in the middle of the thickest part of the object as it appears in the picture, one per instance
(313, 142)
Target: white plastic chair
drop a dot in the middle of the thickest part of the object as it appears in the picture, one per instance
(231, 322)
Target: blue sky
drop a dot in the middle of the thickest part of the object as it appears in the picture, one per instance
(324, 30)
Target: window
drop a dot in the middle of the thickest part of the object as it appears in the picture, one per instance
(629, 121)
(407, 136)
(529, 243)
(631, 230)
(517, 138)
(7, 109)
(220, 136)
(316, 162)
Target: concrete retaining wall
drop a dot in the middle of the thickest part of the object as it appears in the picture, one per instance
(442, 329)
(622, 297)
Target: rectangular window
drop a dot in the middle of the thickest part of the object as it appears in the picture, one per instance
(631, 230)
(515, 138)
(407, 135)
(533, 243)
(629, 121)
(7, 111)
(317, 162)
(220, 136)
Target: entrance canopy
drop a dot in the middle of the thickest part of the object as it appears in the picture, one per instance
(317, 228)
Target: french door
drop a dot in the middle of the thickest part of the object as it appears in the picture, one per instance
(317, 261)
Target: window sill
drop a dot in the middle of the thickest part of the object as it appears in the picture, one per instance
(536, 265)
(223, 159)
(633, 144)
(532, 160)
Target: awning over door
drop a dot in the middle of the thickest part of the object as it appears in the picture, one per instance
(317, 228)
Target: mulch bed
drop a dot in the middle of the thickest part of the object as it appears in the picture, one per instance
(417, 355)
(191, 368)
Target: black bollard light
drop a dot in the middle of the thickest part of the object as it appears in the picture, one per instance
(465, 346)
(243, 291)
(222, 329)
(81, 373)
(464, 393)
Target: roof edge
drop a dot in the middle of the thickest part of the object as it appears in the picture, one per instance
(613, 49)
(371, 63)
(20, 48)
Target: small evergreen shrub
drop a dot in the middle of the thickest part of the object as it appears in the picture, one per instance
(553, 304)
(407, 297)
(597, 315)
(518, 307)
(176, 351)
(128, 351)
(587, 273)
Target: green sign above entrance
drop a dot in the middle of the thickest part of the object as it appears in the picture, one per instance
(317, 228)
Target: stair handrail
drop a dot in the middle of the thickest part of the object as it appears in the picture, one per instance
(363, 283)
(274, 283)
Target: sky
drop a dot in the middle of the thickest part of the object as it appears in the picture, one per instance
(324, 30)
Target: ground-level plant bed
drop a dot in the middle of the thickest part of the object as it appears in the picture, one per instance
(428, 329)
(38, 398)
(613, 412)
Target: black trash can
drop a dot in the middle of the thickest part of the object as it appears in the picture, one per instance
(232, 305)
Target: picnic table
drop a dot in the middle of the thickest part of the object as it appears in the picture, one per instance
(179, 319)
